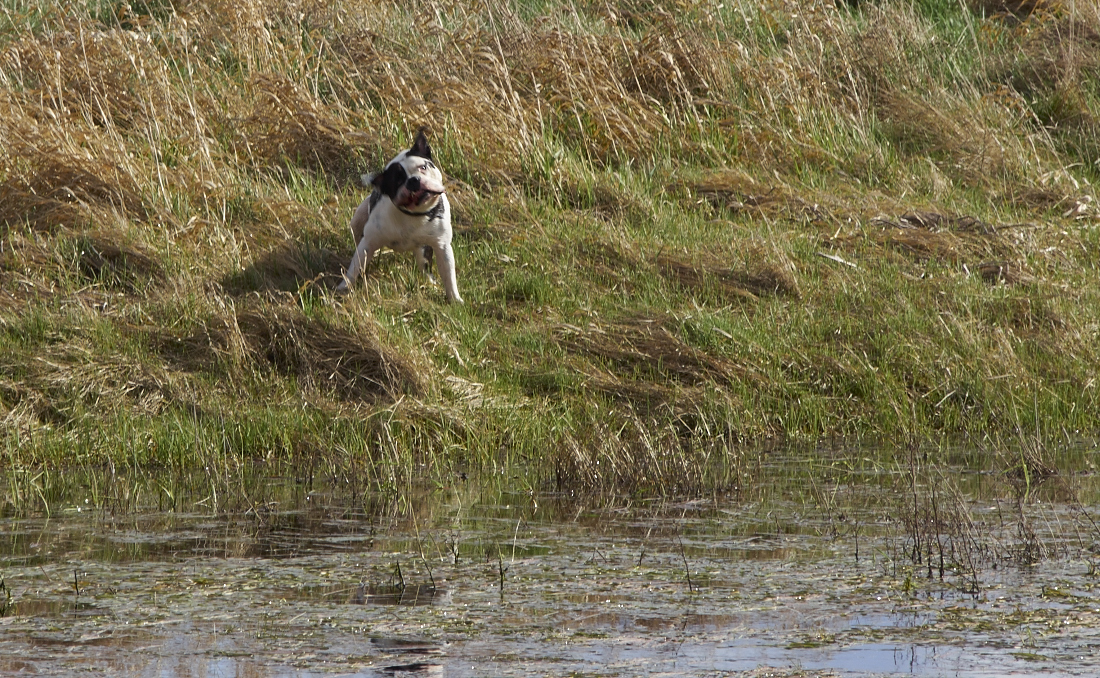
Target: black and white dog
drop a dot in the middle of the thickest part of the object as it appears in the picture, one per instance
(408, 210)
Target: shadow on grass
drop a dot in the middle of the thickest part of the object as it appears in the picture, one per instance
(289, 267)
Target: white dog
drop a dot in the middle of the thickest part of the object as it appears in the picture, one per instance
(408, 210)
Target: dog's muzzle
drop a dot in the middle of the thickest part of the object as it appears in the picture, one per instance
(418, 191)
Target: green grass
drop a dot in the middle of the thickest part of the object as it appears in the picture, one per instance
(681, 232)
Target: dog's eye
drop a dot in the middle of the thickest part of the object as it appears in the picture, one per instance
(428, 164)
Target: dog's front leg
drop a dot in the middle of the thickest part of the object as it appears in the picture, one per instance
(363, 255)
(445, 264)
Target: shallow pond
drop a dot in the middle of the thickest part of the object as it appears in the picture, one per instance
(810, 573)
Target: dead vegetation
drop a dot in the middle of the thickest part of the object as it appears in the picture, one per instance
(646, 350)
(322, 359)
(176, 180)
(287, 126)
(941, 535)
(56, 385)
(637, 451)
(763, 274)
(760, 278)
(51, 187)
(104, 258)
(930, 235)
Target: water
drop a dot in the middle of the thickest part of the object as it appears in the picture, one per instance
(807, 578)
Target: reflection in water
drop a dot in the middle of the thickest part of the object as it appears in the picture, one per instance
(415, 669)
(805, 576)
(414, 594)
(854, 660)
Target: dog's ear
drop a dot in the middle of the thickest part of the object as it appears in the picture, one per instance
(420, 147)
(391, 180)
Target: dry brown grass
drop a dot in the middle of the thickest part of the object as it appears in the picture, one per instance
(645, 350)
(52, 185)
(498, 88)
(287, 126)
(642, 452)
(1016, 10)
(321, 358)
(930, 235)
(760, 278)
(175, 184)
(107, 259)
(1055, 69)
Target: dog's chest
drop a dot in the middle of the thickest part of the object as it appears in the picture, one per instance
(392, 228)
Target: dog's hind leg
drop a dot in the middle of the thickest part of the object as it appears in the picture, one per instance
(359, 219)
(445, 263)
(424, 260)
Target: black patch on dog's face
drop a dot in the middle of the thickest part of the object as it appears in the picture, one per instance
(391, 180)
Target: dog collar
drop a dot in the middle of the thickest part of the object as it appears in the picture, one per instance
(430, 214)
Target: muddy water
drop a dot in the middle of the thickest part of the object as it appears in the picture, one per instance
(810, 573)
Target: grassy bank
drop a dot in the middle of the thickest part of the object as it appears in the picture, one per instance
(683, 230)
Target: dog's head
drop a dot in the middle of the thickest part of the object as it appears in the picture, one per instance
(411, 180)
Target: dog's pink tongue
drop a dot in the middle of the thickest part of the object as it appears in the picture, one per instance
(422, 196)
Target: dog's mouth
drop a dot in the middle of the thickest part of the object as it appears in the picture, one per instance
(417, 193)
(423, 195)
(417, 199)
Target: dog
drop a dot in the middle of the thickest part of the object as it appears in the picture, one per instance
(407, 210)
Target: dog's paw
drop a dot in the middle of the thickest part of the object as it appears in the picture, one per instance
(343, 288)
